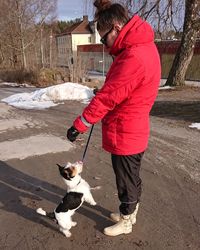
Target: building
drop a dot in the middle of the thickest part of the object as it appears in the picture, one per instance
(83, 32)
(95, 57)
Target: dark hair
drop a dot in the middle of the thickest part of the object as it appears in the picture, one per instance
(107, 13)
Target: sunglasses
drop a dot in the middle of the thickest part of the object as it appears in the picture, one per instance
(104, 38)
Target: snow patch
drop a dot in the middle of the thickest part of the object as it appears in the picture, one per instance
(166, 88)
(14, 84)
(195, 125)
(50, 96)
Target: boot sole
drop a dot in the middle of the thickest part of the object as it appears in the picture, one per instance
(113, 235)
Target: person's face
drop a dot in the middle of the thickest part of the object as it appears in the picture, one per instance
(108, 36)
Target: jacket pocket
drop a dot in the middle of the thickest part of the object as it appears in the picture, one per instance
(109, 133)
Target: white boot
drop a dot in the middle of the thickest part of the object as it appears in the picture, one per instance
(116, 216)
(124, 226)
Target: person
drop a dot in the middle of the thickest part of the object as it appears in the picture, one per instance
(123, 104)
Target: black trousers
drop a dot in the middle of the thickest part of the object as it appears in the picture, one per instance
(127, 172)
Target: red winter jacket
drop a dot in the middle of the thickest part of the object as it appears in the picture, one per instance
(130, 89)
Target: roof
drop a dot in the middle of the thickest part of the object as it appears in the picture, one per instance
(82, 27)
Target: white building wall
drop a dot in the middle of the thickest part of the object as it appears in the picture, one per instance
(67, 46)
(80, 39)
(96, 35)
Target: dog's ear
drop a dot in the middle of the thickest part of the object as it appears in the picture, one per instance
(60, 167)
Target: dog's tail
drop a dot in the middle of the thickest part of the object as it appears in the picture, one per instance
(44, 213)
(96, 188)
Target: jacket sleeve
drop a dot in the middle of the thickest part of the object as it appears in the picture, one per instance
(124, 76)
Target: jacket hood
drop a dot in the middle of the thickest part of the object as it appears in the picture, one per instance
(135, 32)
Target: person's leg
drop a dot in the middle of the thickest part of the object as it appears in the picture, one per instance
(127, 172)
(128, 182)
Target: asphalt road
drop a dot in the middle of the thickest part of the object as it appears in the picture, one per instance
(32, 142)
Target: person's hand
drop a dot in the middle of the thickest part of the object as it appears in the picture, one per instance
(72, 133)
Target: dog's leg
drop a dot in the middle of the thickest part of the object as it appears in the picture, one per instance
(71, 223)
(89, 199)
(65, 231)
(74, 223)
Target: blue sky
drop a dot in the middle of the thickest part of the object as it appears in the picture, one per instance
(71, 9)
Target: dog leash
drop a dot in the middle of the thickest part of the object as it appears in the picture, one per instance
(86, 147)
(94, 92)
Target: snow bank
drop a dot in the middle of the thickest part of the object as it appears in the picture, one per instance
(50, 96)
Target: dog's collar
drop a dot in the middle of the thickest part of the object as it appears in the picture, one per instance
(73, 185)
(79, 182)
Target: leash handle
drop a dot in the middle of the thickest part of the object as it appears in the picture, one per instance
(87, 143)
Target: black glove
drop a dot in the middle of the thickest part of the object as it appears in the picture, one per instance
(72, 133)
(95, 90)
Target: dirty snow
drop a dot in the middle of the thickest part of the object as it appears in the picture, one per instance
(165, 88)
(50, 96)
(187, 83)
(195, 125)
(14, 84)
(54, 95)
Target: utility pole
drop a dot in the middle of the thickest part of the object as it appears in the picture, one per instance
(50, 49)
(41, 47)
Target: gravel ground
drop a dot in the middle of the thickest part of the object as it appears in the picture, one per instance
(169, 215)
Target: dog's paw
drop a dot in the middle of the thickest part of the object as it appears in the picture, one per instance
(74, 223)
(93, 203)
(41, 211)
(66, 232)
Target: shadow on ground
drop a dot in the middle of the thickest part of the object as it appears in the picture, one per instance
(17, 186)
(186, 111)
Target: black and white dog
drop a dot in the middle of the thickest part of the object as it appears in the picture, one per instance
(78, 191)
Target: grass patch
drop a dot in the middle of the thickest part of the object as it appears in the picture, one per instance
(193, 72)
(19, 76)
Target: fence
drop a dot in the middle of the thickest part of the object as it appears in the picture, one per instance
(167, 51)
(95, 58)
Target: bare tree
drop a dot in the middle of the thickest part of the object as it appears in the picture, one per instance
(22, 22)
(186, 50)
(7, 37)
(164, 15)
(180, 16)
